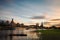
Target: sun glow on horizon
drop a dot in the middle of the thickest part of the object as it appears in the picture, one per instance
(30, 12)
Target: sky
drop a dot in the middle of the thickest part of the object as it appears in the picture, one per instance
(30, 11)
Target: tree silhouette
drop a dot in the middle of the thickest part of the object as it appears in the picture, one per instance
(7, 23)
(37, 25)
(22, 24)
(17, 25)
(53, 27)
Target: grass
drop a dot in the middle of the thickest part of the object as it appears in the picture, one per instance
(50, 34)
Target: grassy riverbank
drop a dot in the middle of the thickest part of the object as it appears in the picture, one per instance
(50, 34)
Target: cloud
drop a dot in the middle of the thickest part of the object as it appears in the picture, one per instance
(55, 12)
(38, 17)
(27, 10)
(51, 22)
(55, 20)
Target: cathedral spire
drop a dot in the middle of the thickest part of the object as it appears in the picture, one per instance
(41, 26)
(12, 20)
(12, 23)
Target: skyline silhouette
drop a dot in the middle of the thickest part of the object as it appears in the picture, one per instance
(8, 24)
(29, 19)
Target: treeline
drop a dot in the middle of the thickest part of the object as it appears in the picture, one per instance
(8, 24)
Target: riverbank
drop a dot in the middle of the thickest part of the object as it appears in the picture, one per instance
(53, 34)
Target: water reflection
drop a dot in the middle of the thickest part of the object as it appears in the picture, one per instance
(31, 35)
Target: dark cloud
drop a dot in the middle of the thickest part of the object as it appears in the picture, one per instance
(38, 17)
(47, 22)
(55, 20)
(5, 1)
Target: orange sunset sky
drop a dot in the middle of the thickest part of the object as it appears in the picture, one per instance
(31, 11)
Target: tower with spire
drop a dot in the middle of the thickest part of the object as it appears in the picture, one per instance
(41, 26)
(12, 23)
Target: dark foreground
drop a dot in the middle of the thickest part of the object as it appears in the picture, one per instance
(53, 34)
(50, 34)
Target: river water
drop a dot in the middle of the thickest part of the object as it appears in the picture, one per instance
(31, 34)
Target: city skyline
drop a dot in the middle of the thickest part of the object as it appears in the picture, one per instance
(30, 11)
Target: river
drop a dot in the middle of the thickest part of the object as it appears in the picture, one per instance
(31, 34)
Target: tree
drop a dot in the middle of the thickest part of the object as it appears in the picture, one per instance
(22, 24)
(53, 27)
(17, 25)
(7, 23)
(37, 25)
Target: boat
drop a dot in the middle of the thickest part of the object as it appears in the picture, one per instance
(18, 35)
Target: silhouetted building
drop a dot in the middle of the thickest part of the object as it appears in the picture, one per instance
(2, 23)
(37, 25)
(41, 26)
(12, 21)
(12, 24)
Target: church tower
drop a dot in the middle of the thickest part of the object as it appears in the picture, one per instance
(41, 26)
(12, 23)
